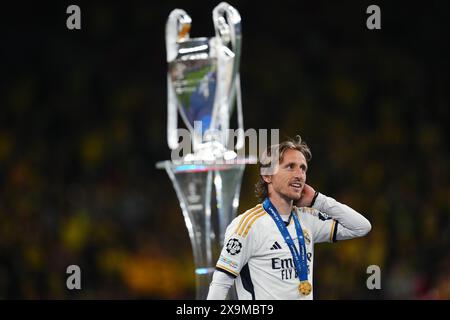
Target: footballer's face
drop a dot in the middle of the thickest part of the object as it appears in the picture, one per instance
(290, 178)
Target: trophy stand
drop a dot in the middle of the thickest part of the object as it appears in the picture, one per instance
(207, 211)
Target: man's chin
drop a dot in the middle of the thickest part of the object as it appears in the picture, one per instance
(296, 196)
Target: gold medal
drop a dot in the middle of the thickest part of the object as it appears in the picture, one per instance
(304, 288)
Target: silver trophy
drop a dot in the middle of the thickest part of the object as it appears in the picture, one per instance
(203, 84)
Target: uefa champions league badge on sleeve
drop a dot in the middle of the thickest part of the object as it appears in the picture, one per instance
(233, 246)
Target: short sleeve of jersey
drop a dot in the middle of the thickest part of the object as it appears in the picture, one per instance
(239, 242)
(324, 228)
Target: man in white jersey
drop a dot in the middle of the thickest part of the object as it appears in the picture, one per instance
(269, 250)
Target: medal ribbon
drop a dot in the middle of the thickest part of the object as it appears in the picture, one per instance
(300, 259)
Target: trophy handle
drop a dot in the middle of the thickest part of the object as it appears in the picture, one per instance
(228, 31)
(231, 33)
(177, 29)
(240, 117)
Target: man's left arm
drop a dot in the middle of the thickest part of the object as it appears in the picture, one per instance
(350, 223)
(346, 223)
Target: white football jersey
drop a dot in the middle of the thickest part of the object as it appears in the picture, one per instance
(257, 255)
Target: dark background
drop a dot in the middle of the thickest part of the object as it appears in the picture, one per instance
(83, 122)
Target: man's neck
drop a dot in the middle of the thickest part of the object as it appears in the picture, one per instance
(283, 206)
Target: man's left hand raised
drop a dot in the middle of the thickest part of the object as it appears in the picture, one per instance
(307, 197)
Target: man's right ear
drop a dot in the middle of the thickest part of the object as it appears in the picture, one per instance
(267, 179)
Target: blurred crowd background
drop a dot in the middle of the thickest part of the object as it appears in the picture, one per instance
(83, 122)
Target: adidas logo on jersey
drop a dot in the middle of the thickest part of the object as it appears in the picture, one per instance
(275, 246)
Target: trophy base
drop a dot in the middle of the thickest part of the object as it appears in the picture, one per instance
(208, 194)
